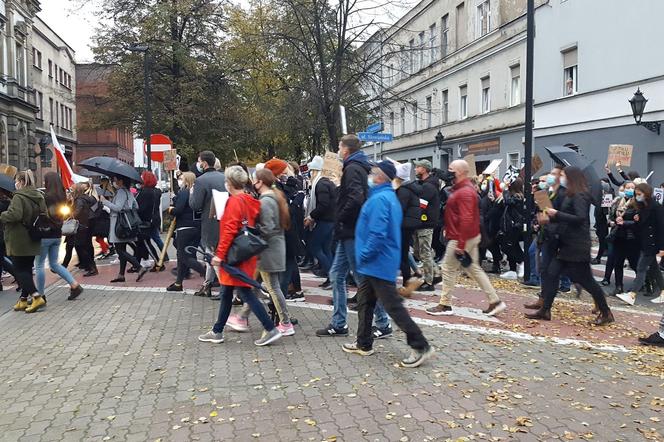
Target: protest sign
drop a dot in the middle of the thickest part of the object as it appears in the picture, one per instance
(620, 153)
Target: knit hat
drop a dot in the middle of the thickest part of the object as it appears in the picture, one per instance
(388, 168)
(276, 166)
(316, 163)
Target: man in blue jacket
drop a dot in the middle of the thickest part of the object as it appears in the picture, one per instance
(378, 254)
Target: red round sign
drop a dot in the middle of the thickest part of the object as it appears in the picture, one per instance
(159, 143)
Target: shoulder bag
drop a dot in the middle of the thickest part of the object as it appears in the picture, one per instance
(246, 244)
(127, 225)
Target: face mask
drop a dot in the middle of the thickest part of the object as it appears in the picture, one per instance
(138, 186)
(418, 176)
(629, 193)
(199, 167)
(551, 180)
(370, 182)
(543, 186)
(483, 187)
(621, 194)
(640, 198)
(448, 176)
(563, 181)
(283, 179)
(115, 185)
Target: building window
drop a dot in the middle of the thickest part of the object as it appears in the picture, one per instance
(390, 73)
(392, 122)
(486, 95)
(415, 117)
(36, 58)
(463, 102)
(20, 64)
(484, 18)
(428, 111)
(515, 94)
(570, 72)
(411, 56)
(446, 106)
(39, 98)
(444, 33)
(403, 62)
(460, 25)
(514, 160)
(422, 50)
(50, 69)
(402, 120)
(50, 106)
(433, 35)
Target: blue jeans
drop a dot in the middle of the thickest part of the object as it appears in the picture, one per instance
(50, 247)
(291, 274)
(248, 298)
(344, 261)
(320, 244)
(156, 237)
(533, 251)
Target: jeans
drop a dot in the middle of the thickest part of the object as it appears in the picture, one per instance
(186, 261)
(533, 253)
(320, 244)
(247, 297)
(581, 273)
(292, 274)
(156, 237)
(370, 291)
(344, 261)
(23, 274)
(50, 248)
(647, 263)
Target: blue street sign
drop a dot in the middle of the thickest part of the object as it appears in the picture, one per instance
(379, 137)
(376, 127)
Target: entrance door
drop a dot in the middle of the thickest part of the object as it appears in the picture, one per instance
(656, 164)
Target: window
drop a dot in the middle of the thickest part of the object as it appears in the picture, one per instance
(446, 106)
(484, 18)
(39, 99)
(20, 64)
(411, 56)
(422, 51)
(433, 34)
(460, 25)
(50, 105)
(36, 58)
(415, 117)
(514, 160)
(515, 94)
(392, 121)
(463, 102)
(428, 111)
(570, 72)
(391, 79)
(57, 114)
(486, 95)
(50, 69)
(62, 73)
(403, 61)
(444, 31)
(402, 120)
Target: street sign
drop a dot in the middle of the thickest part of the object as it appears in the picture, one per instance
(158, 145)
(378, 137)
(375, 127)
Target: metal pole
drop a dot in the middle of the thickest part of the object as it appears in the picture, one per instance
(528, 148)
(148, 111)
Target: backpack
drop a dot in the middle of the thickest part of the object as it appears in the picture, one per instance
(128, 222)
(41, 226)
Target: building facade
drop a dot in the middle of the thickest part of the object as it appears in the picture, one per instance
(455, 67)
(585, 76)
(91, 99)
(17, 106)
(54, 89)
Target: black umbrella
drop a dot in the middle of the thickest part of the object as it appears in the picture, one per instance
(569, 157)
(232, 271)
(7, 183)
(111, 166)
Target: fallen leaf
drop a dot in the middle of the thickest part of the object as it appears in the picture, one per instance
(213, 414)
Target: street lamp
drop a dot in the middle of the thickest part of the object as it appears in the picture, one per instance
(138, 47)
(638, 103)
(439, 142)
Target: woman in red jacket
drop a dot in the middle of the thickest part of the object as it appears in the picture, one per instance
(240, 206)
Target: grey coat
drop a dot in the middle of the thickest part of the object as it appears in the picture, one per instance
(123, 200)
(272, 259)
(201, 200)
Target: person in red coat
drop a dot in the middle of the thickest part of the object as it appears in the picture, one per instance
(240, 206)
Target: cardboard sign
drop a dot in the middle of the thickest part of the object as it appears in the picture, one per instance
(332, 167)
(620, 153)
(607, 200)
(491, 168)
(170, 160)
(470, 159)
(536, 164)
(542, 199)
(658, 194)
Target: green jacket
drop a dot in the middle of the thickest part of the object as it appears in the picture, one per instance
(26, 204)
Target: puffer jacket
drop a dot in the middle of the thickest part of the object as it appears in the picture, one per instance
(409, 198)
(352, 194)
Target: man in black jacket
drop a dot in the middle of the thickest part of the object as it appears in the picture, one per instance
(352, 195)
(430, 203)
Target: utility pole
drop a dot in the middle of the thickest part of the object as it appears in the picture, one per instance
(528, 147)
(146, 92)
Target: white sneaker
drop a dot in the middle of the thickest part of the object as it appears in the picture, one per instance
(627, 298)
(509, 275)
(659, 299)
(520, 270)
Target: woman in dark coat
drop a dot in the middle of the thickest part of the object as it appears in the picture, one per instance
(83, 205)
(149, 203)
(573, 247)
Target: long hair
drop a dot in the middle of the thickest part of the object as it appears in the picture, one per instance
(26, 177)
(647, 192)
(188, 179)
(516, 188)
(268, 179)
(576, 181)
(55, 191)
(78, 190)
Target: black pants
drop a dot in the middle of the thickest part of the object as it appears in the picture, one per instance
(437, 243)
(624, 249)
(580, 273)
(124, 257)
(510, 245)
(84, 248)
(373, 289)
(23, 274)
(406, 241)
(186, 260)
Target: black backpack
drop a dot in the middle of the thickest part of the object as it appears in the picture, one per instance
(41, 226)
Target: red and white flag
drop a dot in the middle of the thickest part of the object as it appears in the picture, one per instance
(67, 175)
(423, 203)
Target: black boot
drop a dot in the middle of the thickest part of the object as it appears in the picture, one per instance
(205, 290)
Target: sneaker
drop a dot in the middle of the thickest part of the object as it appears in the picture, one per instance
(295, 297)
(237, 323)
(324, 283)
(531, 284)
(627, 298)
(332, 331)
(37, 303)
(659, 299)
(353, 348)
(236, 301)
(510, 275)
(21, 305)
(495, 308)
(437, 280)
(564, 289)
(655, 339)
(211, 336)
(175, 287)
(426, 287)
(286, 329)
(380, 333)
(75, 292)
(352, 300)
(605, 283)
(440, 310)
(520, 270)
(268, 337)
(417, 357)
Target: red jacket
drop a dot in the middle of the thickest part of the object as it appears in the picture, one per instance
(462, 214)
(237, 208)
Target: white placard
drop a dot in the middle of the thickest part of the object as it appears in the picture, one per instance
(219, 199)
(607, 200)
(491, 168)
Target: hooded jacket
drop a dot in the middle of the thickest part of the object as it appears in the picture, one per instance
(430, 193)
(378, 235)
(295, 198)
(409, 198)
(24, 207)
(238, 208)
(352, 194)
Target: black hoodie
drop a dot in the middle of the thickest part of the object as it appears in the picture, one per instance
(353, 193)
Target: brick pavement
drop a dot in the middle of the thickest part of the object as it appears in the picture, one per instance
(125, 365)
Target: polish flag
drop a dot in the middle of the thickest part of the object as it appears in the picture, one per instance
(67, 175)
(424, 204)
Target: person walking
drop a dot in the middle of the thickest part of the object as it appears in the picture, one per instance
(462, 231)
(430, 203)
(82, 212)
(187, 231)
(352, 195)
(201, 200)
(319, 218)
(26, 204)
(625, 246)
(377, 249)
(241, 208)
(572, 247)
(123, 200)
(149, 210)
(601, 222)
(512, 222)
(273, 220)
(102, 223)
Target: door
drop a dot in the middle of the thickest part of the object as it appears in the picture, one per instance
(656, 165)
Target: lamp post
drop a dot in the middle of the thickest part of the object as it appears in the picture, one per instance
(638, 103)
(146, 92)
(439, 143)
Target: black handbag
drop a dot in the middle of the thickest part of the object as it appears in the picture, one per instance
(127, 225)
(246, 244)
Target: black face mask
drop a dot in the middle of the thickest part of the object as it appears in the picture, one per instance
(448, 176)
